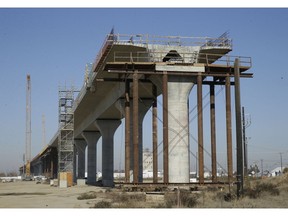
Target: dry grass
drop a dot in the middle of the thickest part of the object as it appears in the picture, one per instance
(263, 193)
(103, 204)
(181, 199)
(88, 195)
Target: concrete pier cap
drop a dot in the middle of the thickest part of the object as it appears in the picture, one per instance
(91, 138)
(107, 128)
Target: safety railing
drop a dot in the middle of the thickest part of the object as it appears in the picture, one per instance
(225, 60)
(87, 82)
(146, 39)
(181, 57)
(91, 68)
(107, 42)
(223, 41)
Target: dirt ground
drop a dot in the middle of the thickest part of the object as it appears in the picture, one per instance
(265, 193)
(28, 194)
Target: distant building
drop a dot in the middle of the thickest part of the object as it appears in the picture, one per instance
(147, 160)
(277, 171)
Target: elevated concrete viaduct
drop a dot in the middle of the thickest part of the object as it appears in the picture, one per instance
(128, 74)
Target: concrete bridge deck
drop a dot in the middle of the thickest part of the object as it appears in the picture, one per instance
(99, 106)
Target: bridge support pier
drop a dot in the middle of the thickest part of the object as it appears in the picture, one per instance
(81, 146)
(91, 138)
(107, 128)
(177, 90)
(178, 125)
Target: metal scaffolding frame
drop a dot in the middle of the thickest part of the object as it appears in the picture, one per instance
(66, 129)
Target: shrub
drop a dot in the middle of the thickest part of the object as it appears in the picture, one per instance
(108, 190)
(228, 197)
(103, 204)
(260, 188)
(186, 199)
(89, 195)
(126, 197)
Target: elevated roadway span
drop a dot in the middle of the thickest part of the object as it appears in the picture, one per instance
(129, 72)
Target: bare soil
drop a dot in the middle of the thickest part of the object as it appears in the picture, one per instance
(264, 193)
(28, 194)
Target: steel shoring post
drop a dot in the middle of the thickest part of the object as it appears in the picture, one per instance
(135, 127)
(165, 128)
(127, 131)
(213, 133)
(228, 128)
(155, 138)
(200, 129)
(238, 129)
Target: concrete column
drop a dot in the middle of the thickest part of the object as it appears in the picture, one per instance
(74, 163)
(107, 129)
(91, 139)
(178, 123)
(81, 146)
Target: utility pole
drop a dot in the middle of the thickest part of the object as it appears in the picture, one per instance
(245, 124)
(244, 141)
(281, 161)
(28, 126)
(196, 164)
(261, 167)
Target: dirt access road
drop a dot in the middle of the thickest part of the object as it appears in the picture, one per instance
(28, 194)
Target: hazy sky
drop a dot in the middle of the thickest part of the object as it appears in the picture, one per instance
(53, 45)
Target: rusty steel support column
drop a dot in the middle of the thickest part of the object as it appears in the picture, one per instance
(238, 129)
(155, 132)
(165, 128)
(200, 129)
(229, 128)
(135, 127)
(213, 133)
(127, 131)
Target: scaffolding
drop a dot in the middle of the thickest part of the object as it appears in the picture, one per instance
(66, 130)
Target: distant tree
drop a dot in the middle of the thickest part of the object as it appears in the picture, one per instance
(12, 174)
(253, 169)
(2, 174)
